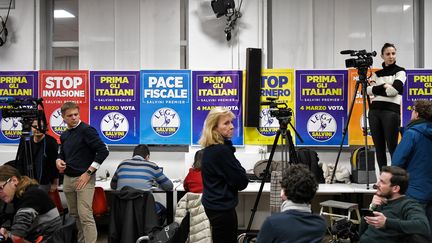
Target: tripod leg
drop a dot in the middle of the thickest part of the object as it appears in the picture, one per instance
(266, 174)
(344, 132)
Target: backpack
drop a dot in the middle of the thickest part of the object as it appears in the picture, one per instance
(165, 234)
(310, 158)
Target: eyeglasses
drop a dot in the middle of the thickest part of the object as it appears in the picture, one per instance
(4, 184)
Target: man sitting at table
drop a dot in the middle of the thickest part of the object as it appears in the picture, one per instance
(141, 173)
(398, 218)
(295, 223)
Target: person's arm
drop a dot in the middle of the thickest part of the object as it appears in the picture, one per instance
(92, 139)
(404, 150)
(113, 183)
(52, 153)
(234, 173)
(164, 182)
(23, 222)
(414, 220)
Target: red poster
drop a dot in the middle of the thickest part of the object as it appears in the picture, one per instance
(59, 86)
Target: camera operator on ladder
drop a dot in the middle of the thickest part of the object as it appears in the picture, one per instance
(44, 150)
(386, 86)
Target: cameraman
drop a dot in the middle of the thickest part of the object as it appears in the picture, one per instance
(386, 86)
(44, 149)
(34, 213)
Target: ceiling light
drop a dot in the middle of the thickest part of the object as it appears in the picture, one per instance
(61, 13)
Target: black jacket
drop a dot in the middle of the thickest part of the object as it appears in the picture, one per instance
(132, 215)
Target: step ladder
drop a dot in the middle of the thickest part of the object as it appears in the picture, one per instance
(348, 207)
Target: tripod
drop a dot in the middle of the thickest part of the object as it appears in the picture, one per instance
(362, 71)
(24, 156)
(287, 144)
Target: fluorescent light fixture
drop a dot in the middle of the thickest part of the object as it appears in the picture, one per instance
(61, 13)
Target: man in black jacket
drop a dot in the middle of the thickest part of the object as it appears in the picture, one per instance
(81, 153)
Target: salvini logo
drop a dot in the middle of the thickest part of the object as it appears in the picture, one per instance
(114, 126)
(165, 122)
(321, 126)
(11, 127)
(268, 124)
(58, 126)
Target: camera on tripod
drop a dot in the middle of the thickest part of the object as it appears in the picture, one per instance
(364, 59)
(278, 109)
(27, 109)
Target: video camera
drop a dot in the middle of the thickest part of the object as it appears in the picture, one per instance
(364, 59)
(27, 109)
(277, 109)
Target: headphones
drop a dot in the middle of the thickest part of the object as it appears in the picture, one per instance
(3, 32)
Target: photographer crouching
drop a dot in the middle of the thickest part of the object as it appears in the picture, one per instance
(35, 215)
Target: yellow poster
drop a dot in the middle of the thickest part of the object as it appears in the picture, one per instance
(277, 84)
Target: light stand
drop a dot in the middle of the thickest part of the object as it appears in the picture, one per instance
(362, 71)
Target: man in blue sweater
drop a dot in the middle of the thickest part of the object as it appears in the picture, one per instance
(81, 153)
(295, 223)
(413, 154)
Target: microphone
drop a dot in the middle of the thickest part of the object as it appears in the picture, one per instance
(344, 52)
(266, 103)
(7, 99)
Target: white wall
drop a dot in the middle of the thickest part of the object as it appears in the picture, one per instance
(311, 33)
(19, 51)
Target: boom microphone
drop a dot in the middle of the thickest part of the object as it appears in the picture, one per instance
(344, 52)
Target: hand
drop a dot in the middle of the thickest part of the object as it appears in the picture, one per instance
(378, 200)
(53, 187)
(390, 91)
(378, 221)
(82, 181)
(4, 233)
(61, 165)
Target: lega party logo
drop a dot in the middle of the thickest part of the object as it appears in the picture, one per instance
(58, 126)
(268, 124)
(11, 128)
(165, 122)
(321, 126)
(114, 126)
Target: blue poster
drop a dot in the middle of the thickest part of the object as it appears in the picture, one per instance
(114, 106)
(217, 88)
(418, 86)
(16, 87)
(321, 106)
(165, 107)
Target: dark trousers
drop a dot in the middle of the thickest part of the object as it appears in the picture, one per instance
(384, 127)
(224, 225)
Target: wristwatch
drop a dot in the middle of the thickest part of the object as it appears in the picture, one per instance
(89, 172)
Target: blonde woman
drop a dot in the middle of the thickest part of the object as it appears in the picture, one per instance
(223, 176)
(34, 213)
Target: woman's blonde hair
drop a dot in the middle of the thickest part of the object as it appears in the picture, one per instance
(209, 135)
(7, 171)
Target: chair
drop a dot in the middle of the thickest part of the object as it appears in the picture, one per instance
(341, 205)
(55, 197)
(100, 205)
(66, 234)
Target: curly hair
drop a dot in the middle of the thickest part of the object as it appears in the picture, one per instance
(299, 184)
(424, 109)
